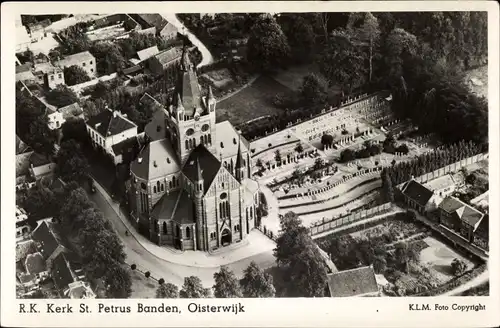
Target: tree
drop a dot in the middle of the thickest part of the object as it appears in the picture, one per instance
(347, 155)
(318, 163)
(327, 139)
(76, 202)
(61, 96)
(299, 149)
(193, 288)
(313, 90)
(167, 290)
(72, 165)
(307, 271)
(257, 283)
(267, 47)
(368, 35)
(342, 62)
(117, 281)
(298, 176)
(387, 186)
(109, 57)
(226, 284)
(277, 156)
(75, 75)
(300, 36)
(405, 253)
(40, 137)
(379, 264)
(40, 204)
(106, 251)
(401, 46)
(458, 267)
(75, 129)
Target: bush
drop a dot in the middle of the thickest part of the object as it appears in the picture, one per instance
(147, 274)
(161, 281)
(458, 267)
(133, 266)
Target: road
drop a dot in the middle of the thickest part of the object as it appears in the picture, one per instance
(207, 57)
(161, 268)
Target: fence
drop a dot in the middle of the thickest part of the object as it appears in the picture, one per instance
(452, 168)
(344, 220)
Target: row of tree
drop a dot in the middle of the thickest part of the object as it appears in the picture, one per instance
(255, 283)
(429, 162)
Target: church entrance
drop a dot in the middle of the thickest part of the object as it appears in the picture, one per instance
(225, 237)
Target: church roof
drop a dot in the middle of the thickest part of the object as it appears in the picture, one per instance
(209, 165)
(156, 160)
(227, 138)
(155, 129)
(175, 206)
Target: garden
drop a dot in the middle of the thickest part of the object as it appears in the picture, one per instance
(411, 259)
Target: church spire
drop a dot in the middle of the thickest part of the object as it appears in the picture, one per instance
(239, 167)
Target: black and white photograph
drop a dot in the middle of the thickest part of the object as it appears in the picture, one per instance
(267, 153)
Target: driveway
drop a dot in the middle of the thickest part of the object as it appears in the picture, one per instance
(207, 57)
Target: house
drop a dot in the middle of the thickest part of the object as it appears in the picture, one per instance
(162, 26)
(167, 61)
(191, 186)
(459, 217)
(62, 274)
(24, 73)
(418, 197)
(48, 241)
(48, 75)
(38, 172)
(38, 31)
(35, 263)
(126, 150)
(481, 236)
(354, 282)
(79, 290)
(22, 226)
(442, 186)
(110, 128)
(57, 117)
(84, 60)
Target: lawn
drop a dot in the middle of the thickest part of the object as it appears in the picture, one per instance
(142, 287)
(252, 102)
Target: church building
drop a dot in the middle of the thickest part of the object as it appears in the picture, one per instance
(190, 185)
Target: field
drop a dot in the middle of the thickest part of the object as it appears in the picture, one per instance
(252, 102)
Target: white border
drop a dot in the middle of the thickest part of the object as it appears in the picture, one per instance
(328, 312)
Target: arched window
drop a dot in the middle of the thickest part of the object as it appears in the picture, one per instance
(206, 139)
(162, 187)
(221, 213)
(201, 140)
(178, 230)
(158, 186)
(164, 227)
(251, 212)
(154, 189)
(187, 145)
(228, 213)
(209, 139)
(194, 142)
(190, 143)
(170, 184)
(174, 182)
(188, 232)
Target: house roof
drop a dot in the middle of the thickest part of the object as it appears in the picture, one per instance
(37, 159)
(79, 290)
(169, 55)
(23, 249)
(148, 52)
(417, 192)
(61, 272)
(464, 212)
(250, 188)
(76, 59)
(440, 183)
(43, 169)
(21, 147)
(126, 146)
(155, 20)
(353, 282)
(228, 136)
(134, 69)
(24, 73)
(209, 165)
(46, 237)
(73, 110)
(155, 129)
(45, 68)
(106, 123)
(35, 263)
(156, 160)
(175, 206)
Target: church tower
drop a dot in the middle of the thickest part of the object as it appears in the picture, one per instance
(194, 113)
(239, 167)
